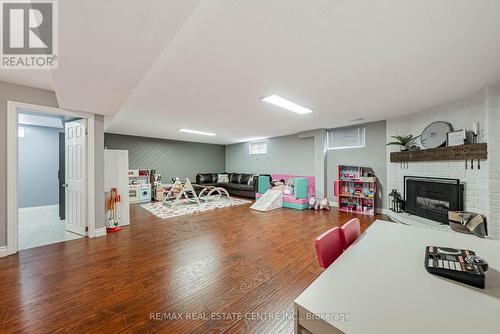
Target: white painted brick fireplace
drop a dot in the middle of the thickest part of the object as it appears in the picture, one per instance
(482, 186)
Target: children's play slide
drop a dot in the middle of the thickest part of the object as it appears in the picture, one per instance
(270, 200)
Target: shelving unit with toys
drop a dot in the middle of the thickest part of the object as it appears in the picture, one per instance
(139, 185)
(356, 189)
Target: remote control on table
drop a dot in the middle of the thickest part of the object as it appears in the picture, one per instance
(461, 265)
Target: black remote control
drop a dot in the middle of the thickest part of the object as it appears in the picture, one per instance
(461, 265)
(474, 259)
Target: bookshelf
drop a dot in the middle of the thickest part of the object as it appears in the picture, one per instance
(356, 189)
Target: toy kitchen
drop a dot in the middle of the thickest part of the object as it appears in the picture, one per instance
(139, 185)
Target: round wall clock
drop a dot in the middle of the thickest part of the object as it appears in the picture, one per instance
(434, 135)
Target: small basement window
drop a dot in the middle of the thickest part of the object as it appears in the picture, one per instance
(338, 139)
(257, 148)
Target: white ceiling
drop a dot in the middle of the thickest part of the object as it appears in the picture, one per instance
(33, 78)
(165, 65)
(106, 47)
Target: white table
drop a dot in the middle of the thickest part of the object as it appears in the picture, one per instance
(381, 284)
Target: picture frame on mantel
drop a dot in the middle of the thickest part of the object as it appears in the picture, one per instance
(456, 138)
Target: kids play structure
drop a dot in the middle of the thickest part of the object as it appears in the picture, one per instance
(182, 192)
(270, 200)
(292, 192)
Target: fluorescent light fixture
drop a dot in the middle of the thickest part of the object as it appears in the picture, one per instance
(286, 104)
(197, 132)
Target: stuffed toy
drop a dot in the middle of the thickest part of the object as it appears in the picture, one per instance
(312, 203)
(276, 183)
(288, 190)
(324, 204)
(317, 204)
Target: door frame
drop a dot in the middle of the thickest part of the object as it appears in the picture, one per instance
(12, 167)
(62, 177)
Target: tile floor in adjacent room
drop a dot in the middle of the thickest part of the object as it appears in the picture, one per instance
(41, 226)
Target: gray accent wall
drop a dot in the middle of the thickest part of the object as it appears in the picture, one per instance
(38, 161)
(171, 158)
(373, 155)
(285, 155)
(11, 92)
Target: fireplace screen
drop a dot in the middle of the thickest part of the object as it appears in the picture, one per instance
(432, 198)
(436, 205)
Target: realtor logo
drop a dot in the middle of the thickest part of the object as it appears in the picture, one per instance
(29, 34)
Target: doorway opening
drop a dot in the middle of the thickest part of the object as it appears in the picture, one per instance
(42, 178)
(50, 176)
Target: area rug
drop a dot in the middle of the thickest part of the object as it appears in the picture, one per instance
(185, 207)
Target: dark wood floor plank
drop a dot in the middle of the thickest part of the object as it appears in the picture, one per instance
(257, 296)
(231, 260)
(248, 278)
(277, 309)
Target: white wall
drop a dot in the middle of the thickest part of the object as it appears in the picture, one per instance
(492, 96)
(372, 156)
(100, 210)
(461, 114)
(11, 92)
(18, 93)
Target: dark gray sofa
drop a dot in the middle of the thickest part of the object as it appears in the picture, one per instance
(238, 183)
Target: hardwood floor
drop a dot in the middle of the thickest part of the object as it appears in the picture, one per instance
(230, 270)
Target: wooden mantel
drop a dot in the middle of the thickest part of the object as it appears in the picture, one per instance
(461, 152)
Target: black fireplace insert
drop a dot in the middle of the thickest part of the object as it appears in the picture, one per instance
(432, 198)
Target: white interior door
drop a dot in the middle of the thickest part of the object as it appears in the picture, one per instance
(76, 176)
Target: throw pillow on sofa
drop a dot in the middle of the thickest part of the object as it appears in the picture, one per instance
(222, 178)
(234, 177)
(245, 178)
(205, 178)
(251, 182)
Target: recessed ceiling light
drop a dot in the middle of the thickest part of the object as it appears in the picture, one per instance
(357, 120)
(197, 132)
(286, 104)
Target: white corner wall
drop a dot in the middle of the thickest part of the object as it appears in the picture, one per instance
(492, 96)
(482, 186)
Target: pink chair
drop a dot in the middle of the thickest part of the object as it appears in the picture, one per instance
(350, 232)
(329, 247)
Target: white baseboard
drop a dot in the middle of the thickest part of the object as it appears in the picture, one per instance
(381, 211)
(4, 251)
(40, 208)
(100, 232)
